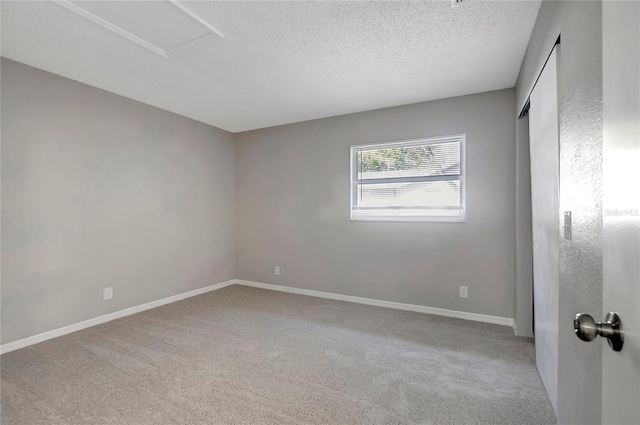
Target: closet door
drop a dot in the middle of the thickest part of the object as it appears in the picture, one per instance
(545, 174)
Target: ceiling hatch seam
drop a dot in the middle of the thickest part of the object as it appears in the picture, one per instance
(212, 32)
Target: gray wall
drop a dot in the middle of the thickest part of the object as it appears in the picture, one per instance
(292, 200)
(99, 191)
(580, 100)
(523, 302)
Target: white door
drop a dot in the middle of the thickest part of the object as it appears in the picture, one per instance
(621, 206)
(545, 176)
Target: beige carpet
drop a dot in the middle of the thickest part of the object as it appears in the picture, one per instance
(248, 356)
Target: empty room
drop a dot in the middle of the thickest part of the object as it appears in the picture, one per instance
(320, 212)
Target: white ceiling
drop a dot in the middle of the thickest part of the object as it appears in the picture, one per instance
(284, 62)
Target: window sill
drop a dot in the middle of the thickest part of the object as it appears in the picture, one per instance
(433, 219)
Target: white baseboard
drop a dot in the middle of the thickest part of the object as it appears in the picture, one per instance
(25, 342)
(497, 320)
(35, 339)
(515, 328)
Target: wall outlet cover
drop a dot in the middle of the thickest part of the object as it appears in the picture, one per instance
(107, 294)
(464, 292)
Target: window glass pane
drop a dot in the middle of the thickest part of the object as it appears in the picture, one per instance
(408, 161)
(425, 195)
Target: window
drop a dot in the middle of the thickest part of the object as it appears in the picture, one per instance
(410, 180)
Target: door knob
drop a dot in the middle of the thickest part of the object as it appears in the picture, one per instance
(587, 329)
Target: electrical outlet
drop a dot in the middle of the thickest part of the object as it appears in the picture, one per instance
(107, 294)
(276, 270)
(464, 292)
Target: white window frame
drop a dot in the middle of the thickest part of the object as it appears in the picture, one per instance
(459, 218)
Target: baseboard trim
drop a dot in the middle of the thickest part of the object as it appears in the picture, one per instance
(515, 328)
(496, 320)
(35, 339)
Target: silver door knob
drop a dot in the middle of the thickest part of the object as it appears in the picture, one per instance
(587, 329)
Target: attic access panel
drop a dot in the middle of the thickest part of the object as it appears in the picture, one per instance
(163, 27)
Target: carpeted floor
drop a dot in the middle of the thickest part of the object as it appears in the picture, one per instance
(251, 356)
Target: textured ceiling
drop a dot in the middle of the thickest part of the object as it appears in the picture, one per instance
(284, 62)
